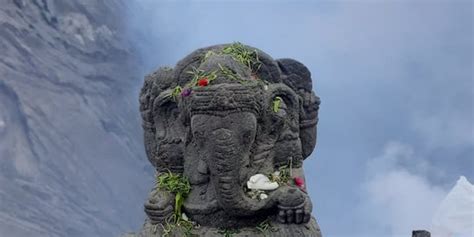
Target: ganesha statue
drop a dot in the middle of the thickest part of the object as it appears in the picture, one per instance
(228, 129)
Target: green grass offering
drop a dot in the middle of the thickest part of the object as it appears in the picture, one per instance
(209, 54)
(283, 177)
(244, 55)
(231, 74)
(176, 91)
(276, 104)
(180, 186)
(200, 74)
(178, 223)
(177, 184)
(239, 53)
(265, 227)
(228, 232)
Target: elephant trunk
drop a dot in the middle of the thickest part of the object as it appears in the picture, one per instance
(227, 159)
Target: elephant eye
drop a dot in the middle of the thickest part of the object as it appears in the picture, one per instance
(247, 135)
(199, 134)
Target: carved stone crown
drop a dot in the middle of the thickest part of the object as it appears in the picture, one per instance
(223, 99)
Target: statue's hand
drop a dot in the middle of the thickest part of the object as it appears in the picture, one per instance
(159, 206)
(294, 206)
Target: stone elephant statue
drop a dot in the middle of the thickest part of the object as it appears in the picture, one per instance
(222, 115)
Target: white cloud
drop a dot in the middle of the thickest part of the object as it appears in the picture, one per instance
(399, 200)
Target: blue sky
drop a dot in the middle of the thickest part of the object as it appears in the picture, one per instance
(396, 83)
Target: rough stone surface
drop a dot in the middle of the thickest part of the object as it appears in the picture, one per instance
(310, 229)
(421, 233)
(222, 133)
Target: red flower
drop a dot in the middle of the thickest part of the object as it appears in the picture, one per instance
(203, 82)
(299, 182)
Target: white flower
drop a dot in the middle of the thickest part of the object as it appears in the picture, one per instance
(263, 196)
(184, 217)
(261, 182)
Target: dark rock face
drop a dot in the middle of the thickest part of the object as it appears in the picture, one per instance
(71, 153)
(237, 125)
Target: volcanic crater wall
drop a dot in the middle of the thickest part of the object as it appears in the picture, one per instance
(71, 151)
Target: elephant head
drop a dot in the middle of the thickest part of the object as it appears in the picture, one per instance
(223, 115)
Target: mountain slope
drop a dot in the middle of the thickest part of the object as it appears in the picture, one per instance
(71, 154)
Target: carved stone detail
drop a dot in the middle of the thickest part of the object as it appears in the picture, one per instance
(219, 117)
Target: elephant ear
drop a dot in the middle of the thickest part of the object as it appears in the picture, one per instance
(284, 106)
(297, 76)
(159, 120)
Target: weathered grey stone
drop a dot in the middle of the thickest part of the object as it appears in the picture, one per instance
(310, 229)
(421, 233)
(249, 117)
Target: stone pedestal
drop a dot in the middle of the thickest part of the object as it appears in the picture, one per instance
(310, 229)
(420, 233)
